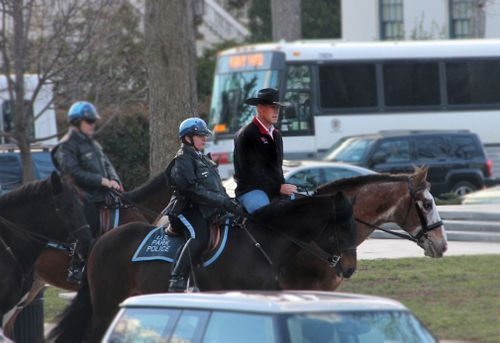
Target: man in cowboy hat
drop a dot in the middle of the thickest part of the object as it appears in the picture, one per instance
(258, 154)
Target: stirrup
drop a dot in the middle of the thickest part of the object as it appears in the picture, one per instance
(75, 275)
(177, 284)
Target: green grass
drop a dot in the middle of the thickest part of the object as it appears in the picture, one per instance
(457, 297)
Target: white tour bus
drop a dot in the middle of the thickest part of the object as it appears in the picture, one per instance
(44, 124)
(337, 89)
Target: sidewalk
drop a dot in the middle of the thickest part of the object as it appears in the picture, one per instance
(374, 248)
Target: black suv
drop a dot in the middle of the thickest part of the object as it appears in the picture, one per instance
(456, 159)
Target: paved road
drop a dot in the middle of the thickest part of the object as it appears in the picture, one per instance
(395, 248)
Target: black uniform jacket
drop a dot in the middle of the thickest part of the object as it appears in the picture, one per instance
(258, 160)
(82, 158)
(196, 182)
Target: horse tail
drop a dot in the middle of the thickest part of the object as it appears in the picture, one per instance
(74, 322)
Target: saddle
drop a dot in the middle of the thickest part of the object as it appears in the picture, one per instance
(109, 212)
(215, 231)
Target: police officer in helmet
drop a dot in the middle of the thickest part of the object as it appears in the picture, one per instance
(198, 197)
(79, 156)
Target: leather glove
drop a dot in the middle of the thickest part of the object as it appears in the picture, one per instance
(233, 207)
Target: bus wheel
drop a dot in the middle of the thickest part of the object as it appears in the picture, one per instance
(463, 187)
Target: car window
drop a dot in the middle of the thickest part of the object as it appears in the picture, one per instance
(332, 174)
(464, 147)
(228, 327)
(144, 325)
(306, 179)
(350, 150)
(190, 326)
(43, 164)
(359, 327)
(431, 148)
(396, 150)
(10, 171)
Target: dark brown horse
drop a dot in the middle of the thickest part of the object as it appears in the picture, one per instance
(31, 216)
(401, 199)
(279, 228)
(144, 204)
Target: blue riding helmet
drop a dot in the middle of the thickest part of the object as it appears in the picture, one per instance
(194, 126)
(83, 110)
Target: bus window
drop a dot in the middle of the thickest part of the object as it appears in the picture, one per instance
(297, 116)
(473, 82)
(8, 122)
(411, 84)
(348, 86)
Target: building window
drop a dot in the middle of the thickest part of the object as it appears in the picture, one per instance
(460, 18)
(391, 14)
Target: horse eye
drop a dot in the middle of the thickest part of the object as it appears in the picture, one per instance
(427, 205)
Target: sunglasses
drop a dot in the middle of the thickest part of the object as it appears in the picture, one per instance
(90, 121)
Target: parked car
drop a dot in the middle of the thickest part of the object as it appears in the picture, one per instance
(11, 169)
(265, 317)
(309, 175)
(456, 159)
(483, 197)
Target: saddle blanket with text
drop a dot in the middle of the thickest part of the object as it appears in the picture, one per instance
(159, 246)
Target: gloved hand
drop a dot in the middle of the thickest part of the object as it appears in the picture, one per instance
(233, 207)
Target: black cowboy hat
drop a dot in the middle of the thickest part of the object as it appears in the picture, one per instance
(266, 96)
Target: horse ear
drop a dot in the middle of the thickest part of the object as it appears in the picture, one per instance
(340, 198)
(56, 181)
(419, 177)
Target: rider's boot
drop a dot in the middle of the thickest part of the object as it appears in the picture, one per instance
(75, 270)
(179, 275)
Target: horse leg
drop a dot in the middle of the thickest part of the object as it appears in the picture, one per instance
(52, 266)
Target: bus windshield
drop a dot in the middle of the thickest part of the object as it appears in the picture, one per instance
(228, 111)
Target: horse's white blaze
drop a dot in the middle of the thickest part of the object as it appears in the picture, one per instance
(436, 244)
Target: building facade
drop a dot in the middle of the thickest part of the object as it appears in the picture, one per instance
(422, 19)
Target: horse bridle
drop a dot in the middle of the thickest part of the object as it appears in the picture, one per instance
(425, 228)
(331, 259)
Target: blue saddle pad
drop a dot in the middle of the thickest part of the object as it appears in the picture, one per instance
(159, 246)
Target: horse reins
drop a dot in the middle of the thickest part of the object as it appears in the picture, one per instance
(332, 260)
(134, 204)
(423, 222)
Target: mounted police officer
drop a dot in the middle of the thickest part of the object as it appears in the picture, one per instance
(198, 197)
(81, 157)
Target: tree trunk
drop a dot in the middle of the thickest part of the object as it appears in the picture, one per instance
(286, 18)
(171, 64)
(18, 106)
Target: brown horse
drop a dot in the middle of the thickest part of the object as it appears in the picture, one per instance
(379, 199)
(52, 265)
(31, 216)
(281, 229)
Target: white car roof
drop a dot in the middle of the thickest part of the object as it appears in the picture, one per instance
(267, 302)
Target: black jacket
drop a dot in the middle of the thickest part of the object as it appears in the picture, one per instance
(258, 160)
(82, 158)
(196, 182)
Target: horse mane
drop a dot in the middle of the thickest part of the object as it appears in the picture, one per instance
(278, 208)
(418, 178)
(361, 181)
(151, 185)
(38, 190)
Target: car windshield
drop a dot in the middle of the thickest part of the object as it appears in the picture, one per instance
(350, 150)
(361, 327)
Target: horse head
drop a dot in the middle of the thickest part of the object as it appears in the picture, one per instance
(422, 219)
(68, 212)
(339, 239)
